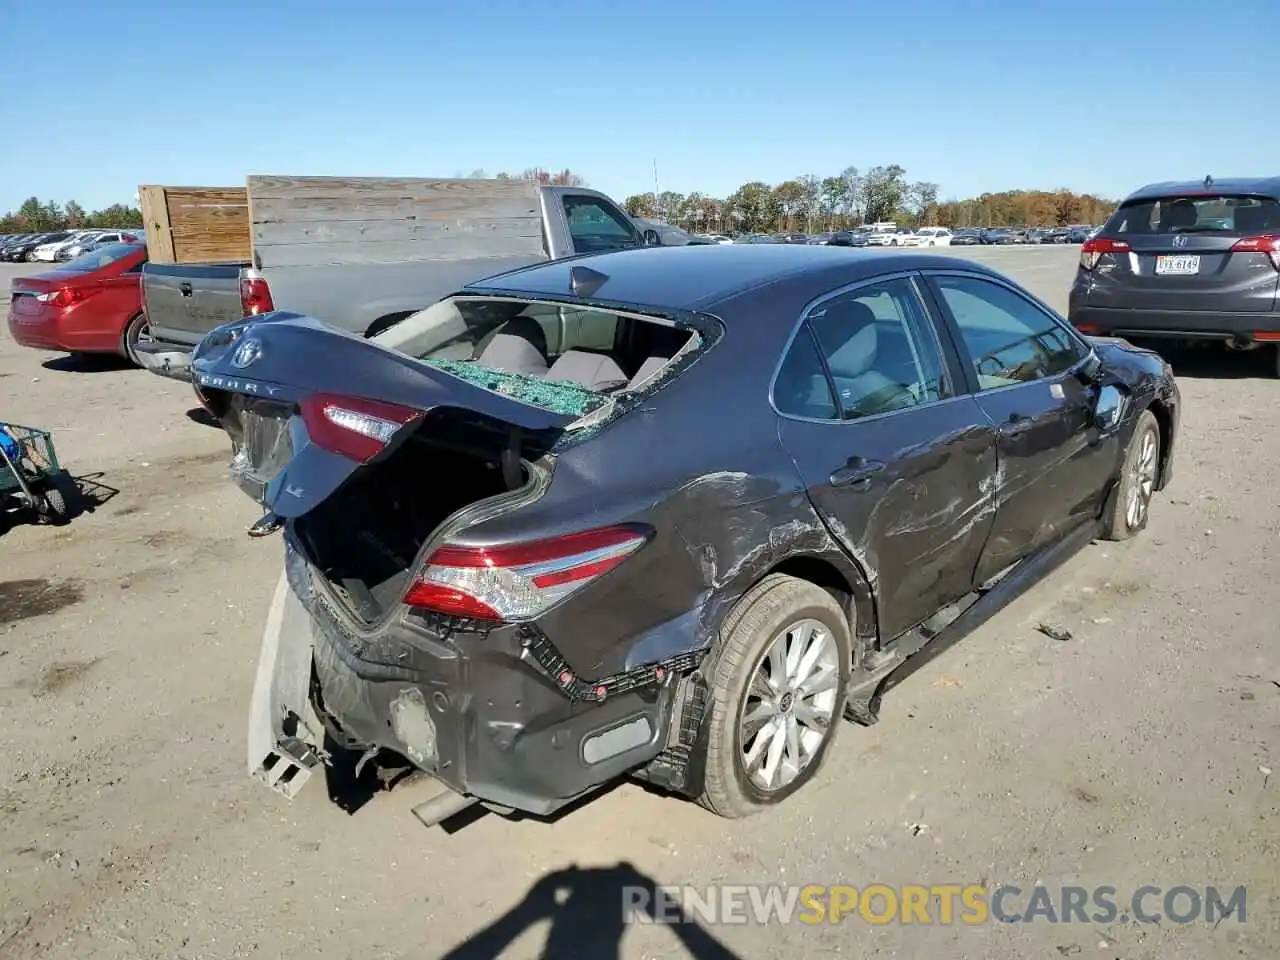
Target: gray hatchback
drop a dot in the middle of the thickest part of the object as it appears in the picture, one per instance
(1189, 261)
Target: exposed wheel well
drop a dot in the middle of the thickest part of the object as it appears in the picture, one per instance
(855, 600)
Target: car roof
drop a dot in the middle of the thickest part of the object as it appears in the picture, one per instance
(1266, 186)
(684, 279)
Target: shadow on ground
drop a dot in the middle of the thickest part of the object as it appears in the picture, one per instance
(589, 910)
(82, 494)
(88, 363)
(1216, 362)
(203, 417)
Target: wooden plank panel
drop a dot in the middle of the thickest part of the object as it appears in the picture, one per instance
(394, 251)
(210, 223)
(313, 231)
(306, 221)
(155, 220)
(405, 188)
(364, 207)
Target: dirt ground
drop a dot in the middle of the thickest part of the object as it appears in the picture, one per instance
(1139, 751)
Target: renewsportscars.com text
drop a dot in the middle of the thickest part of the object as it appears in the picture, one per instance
(941, 904)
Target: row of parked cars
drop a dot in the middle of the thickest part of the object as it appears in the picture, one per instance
(59, 246)
(891, 235)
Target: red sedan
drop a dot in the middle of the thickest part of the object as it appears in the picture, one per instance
(92, 304)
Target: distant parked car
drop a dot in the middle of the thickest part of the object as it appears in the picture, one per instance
(1164, 266)
(1056, 235)
(968, 237)
(820, 239)
(933, 237)
(93, 241)
(92, 304)
(849, 238)
(999, 236)
(904, 237)
(21, 251)
(1079, 234)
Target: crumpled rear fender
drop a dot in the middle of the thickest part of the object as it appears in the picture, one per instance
(286, 738)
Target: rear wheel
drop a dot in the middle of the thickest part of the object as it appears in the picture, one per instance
(1138, 478)
(138, 331)
(53, 507)
(777, 695)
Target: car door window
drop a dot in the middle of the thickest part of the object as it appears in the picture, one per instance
(880, 348)
(594, 227)
(1008, 338)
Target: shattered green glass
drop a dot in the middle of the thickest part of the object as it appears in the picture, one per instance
(558, 396)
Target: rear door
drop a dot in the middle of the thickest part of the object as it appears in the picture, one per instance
(896, 459)
(1024, 363)
(1199, 253)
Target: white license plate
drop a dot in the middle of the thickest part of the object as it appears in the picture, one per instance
(1178, 266)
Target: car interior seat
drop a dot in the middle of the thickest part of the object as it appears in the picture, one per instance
(519, 346)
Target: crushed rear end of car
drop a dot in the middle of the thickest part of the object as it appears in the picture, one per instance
(406, 629)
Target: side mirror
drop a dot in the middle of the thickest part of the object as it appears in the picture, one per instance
(1109, 408)
(1089, 369)
(651, 238)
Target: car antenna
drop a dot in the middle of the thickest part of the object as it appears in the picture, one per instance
(1208, 181)
(584, 282)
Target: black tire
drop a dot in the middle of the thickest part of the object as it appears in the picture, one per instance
(55, 506)
(138, 330)
(1139, 474)
(744, 640)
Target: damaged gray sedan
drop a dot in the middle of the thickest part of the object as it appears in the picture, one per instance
(664, 513)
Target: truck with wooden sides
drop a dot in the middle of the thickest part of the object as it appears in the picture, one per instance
(356, 253)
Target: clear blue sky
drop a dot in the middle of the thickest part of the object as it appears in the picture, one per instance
(1097, 96)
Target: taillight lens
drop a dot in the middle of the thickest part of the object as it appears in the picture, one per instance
(1091, 251)
(1268, 243)
(519, 581)
(353, 427)
(255, 296)
(65, 296)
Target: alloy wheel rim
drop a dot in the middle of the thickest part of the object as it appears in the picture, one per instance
(789, 706)
(1142, 481)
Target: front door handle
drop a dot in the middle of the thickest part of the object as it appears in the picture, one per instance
(855, 470)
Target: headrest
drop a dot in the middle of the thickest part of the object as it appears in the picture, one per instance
(847, 331)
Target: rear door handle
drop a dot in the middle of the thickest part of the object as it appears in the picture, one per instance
(855, 470)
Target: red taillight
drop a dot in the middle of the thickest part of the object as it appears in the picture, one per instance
(255, 296)
(353, 427)
(66, 296)
(1091, 251)
(519, 581)
(1268, 243)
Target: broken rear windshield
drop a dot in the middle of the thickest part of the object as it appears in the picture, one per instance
(1230, 214)
(566, 358)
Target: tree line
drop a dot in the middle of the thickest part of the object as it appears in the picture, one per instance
(811, 203)
(37, 216)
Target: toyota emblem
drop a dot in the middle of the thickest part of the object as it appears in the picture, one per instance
(1180, 240)
(247, 354)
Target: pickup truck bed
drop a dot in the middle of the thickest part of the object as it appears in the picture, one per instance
(183, 302)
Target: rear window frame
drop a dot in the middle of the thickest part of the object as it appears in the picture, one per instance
(1111, 229)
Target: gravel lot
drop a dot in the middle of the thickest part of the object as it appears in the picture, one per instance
(1137, 752)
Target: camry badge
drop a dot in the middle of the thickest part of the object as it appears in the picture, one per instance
(247, 354)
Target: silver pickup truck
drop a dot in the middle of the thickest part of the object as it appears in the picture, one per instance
(184, 301)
